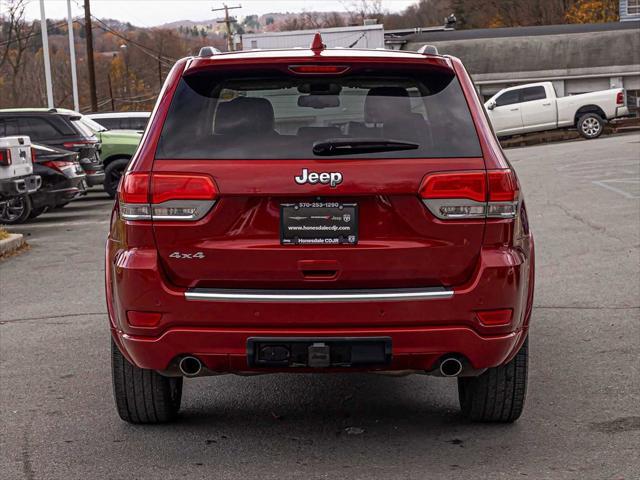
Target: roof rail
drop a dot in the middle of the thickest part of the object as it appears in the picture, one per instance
(428, 50)
(208, 51)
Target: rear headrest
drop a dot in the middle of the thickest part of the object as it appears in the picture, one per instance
(378, 107)
(244, 115)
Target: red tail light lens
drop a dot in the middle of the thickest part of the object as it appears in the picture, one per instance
(58, 165)
(33, 155)
(182, 187)
(318, 69)
(135, 188)
(180, 197)
(620, 98)
(79, 143)
(470, 185)
(503, 186)
(5, 157)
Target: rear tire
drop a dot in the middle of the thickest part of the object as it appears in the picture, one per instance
(141, 395)
(112, 175)
(36, 212)
(15, 210)
(498, 395)
(590, 125)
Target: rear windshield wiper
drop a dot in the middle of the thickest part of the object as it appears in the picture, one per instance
(351, 146)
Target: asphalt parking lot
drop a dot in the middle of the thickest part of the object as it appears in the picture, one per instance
(582, 419)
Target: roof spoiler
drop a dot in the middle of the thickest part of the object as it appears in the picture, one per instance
(208, 52)
(428, 50)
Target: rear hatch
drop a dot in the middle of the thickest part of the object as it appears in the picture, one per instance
(316, 172)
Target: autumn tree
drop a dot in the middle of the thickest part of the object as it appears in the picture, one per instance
(593, 11)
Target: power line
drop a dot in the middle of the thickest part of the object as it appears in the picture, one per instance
(168, 61)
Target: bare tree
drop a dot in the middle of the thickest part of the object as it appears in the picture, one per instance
(361, 10)
(19, 35)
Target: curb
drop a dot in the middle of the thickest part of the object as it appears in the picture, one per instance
(11, 244)
(541, 138)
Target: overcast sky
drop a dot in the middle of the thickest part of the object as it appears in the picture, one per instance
(148, 13)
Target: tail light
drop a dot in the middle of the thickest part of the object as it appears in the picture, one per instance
(468, 195)
(59, 165)
(318, 69)
(79, 143)
(166, 196)
(620, 98)
(5, 157)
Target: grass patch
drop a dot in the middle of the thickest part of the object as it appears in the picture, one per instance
(3, 234)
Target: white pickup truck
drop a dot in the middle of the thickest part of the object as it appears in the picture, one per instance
(535, 107)
(17, 180)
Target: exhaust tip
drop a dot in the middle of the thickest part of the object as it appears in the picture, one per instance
(190, 366)
(450, 367)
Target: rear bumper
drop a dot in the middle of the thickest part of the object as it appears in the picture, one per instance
(622, 111)
(94, 177)
(225, 350)
(421, 329)
(20, 185)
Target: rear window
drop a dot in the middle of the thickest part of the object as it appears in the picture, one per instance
(110, 123)
(86, 129)
(279, 116)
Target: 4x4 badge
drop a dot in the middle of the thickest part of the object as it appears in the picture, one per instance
(331, 178)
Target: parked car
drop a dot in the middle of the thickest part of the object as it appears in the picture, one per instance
(122, 120)
(321, 210)
(117, 148)
(63, 178)
(535, 107)
(17, 179)
(60, 128)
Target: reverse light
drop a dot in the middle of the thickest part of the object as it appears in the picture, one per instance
(166, 196)
(5, 157)
(469, 195)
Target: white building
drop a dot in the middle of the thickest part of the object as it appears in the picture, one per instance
(362, 36)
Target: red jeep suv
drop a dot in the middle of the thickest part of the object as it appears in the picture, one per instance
(319, 210)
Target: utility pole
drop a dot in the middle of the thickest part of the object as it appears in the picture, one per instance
(227, 21)
(72, 54)
(113, 104)
(45, 51)
(90, 64)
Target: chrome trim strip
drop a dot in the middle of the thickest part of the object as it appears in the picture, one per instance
(316, 296)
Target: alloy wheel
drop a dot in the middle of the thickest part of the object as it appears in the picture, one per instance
(591, 127)
(12, 209)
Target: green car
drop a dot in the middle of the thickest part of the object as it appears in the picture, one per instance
(118, 146)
